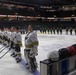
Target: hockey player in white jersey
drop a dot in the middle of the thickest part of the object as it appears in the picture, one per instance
(8, 36)
(5, 36)
(18, 44)
(2, 35)
(12, 37)
(31, 49)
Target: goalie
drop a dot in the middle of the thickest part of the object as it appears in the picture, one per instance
(31, 50)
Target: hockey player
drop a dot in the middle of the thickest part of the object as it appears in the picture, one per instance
(4, 36)
(51, 30)
(48, 30)
(54, 30)
(31, 50)
(0, 35)
(8, 36)
(41, 30)
(71, 31)
(67, 30)
(60, 30)
(45, 30)
(57, 30)
(12, 37)
(75, 31)
(18, 44)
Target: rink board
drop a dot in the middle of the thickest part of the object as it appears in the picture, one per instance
(61, 67)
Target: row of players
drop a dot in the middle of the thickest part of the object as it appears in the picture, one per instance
(57, 30)
(12, 38)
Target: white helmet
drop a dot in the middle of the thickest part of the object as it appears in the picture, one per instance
(54, 56)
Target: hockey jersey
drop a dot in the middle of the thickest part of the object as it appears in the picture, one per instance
(18, 39)
(12, 36)
(31, 41)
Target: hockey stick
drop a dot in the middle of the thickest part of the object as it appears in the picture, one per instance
(5, 53)
(4, 48)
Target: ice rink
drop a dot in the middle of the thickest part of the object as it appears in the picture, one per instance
(47, 43)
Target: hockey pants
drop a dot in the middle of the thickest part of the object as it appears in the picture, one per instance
(30, 60)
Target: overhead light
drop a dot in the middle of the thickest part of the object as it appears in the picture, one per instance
(50, 10)
(3, 15)
(39, 15)
(45, 7)
(50, 18)
(73, 8)
(54, 16)
(16, 13)
(73, 15)
(63, 7)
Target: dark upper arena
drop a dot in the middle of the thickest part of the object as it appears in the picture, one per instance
(43, 14)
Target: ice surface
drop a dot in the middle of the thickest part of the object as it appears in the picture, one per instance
(47, 43)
